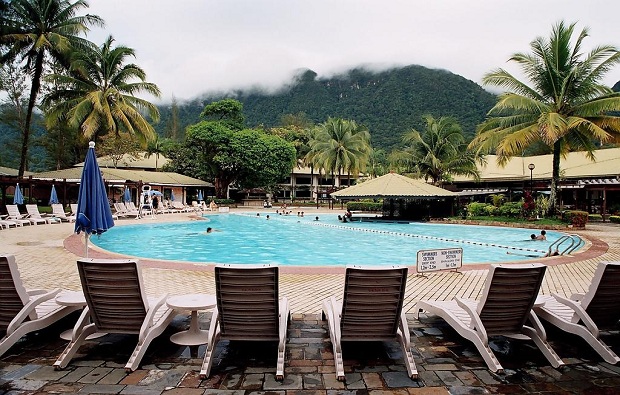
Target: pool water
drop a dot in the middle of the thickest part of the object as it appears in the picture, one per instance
(302, 241)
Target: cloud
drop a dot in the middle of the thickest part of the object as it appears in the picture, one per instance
(196, 46)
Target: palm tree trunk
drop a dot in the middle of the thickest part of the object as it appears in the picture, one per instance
(555, 178)
(34, 90)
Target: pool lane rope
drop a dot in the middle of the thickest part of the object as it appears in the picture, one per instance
(387, 232)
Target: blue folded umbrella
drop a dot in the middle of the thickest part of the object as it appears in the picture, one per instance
(53, 196)
(18, 198)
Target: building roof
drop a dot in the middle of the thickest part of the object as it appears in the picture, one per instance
(130, 162)
(7, 171)
(576, 165)
(74, 174)
(392, 185)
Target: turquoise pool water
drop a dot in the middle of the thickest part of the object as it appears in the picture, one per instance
(302, 241)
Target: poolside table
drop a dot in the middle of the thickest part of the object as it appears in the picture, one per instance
(194, 336)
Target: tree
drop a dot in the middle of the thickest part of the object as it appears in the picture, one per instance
(173, 128)
(117, 146)
(219, 150)
(97, 95)
(156, 147)
(229, 111)
(32, 30)
(563, 104)
(340, 145)
(251, 158)
(438, 152)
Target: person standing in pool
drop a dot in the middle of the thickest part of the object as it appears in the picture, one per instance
(542, 235)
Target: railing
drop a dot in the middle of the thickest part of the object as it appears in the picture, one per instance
(574, 241)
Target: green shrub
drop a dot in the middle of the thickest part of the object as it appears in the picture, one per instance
(575, 217)
(615, 219)
(491, 210)
(476, 209)
(595, 217)
(364, 206)
(511, 209)
(224, 202)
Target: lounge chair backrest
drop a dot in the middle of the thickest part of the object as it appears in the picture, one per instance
(13, 211)
(247, 301)
(33, 210)
(372, 303)
(74, 208)
(58, 210)
(114, 293)
(508, 297)
(12, 292)
(602, 301)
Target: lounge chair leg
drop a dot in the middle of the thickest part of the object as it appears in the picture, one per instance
(542, 344)
(69, 351)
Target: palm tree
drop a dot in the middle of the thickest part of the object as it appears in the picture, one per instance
(35, 29)
(438, 152)
(340, 145)
(156, 147)
(563, 104)
(97, 95)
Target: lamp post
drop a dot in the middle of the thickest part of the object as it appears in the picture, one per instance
(531, 167)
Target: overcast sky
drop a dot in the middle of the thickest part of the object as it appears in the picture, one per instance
(188, 47)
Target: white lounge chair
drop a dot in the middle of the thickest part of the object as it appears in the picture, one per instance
(504, 309)
(4, 223)
(117, 303)
(16, 216)
(371, 310)
(585, 315)
(248, 308)
(24, 311)
(33, 213)
(59, 212)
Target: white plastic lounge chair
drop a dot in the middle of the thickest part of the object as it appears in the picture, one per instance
(116, 303)
(248, 308)
(8, 223)
(506, 305)
(74, 209)
(371, 310)
(33, 213)
(24, 311)
(59, 212)
(585, 315)
(16, 216)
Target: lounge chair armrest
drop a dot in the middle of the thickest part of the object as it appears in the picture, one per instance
(29, 308)
(576, 297)
(213, 329)
(150, 315)
(35, 292)
(581, 313)
(476, 323)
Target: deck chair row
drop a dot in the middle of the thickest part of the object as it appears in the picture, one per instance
(249, 308)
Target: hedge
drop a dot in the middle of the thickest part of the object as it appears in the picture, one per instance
(595, 217)
(575, 217)
(615, 219)
(364, 206)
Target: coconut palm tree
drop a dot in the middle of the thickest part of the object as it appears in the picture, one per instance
(340, 145)
(562, 104)
(40, 31)
(438, 152)
(97, 95)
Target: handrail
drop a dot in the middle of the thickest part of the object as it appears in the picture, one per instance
(574, 239)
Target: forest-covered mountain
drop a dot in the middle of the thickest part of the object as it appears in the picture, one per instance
(388, 103)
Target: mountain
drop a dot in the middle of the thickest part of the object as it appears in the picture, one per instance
(388, 102)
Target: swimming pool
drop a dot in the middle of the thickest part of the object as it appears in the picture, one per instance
(302, 241)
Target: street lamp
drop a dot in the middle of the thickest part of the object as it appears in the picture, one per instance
(531, 167)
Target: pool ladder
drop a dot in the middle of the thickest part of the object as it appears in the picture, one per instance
(574, 241)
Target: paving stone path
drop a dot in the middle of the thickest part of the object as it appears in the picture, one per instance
(447, 363)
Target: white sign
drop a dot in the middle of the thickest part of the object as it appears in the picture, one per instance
(442, 259)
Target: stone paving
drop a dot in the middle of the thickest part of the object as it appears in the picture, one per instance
(447, 363)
